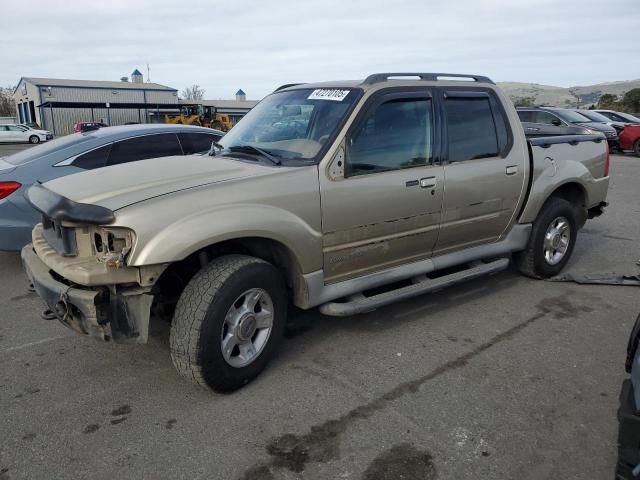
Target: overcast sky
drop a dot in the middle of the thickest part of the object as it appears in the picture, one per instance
(256, 46)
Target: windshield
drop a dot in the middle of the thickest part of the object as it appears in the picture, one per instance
(628, 117)
(571, 117)
(295, 124)
(595, 116)
(46, 148)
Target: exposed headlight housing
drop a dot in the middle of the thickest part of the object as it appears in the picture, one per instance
(112, 245)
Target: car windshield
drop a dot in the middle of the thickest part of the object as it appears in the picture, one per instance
(293, 124)
(45, 148)
(571, 117)
(595, 116)
(628, 117)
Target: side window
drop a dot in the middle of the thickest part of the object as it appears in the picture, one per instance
(397, 134)
(471, 129)
(545, 117)
(196, 142)
(141, 148)
(526, 116)
(94, 159)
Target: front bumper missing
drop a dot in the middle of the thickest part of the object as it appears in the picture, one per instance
(121, 314)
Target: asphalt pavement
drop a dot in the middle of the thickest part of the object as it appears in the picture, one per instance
(499, 378)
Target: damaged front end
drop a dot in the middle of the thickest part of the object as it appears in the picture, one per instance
(79, 269)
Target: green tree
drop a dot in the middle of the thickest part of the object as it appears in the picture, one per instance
(608, 102)
(631, 100)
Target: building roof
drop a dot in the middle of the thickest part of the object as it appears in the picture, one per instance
(136, 72)
(240, 92)
(63, 82)
(248, 104)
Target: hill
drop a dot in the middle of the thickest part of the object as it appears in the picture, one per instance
(581, 96)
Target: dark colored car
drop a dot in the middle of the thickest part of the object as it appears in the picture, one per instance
(563, 117)
(538, 123)
(619, 116)
(598, 117)
(87, 126)
(629, 413)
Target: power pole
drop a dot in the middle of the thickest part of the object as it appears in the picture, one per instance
(148, 73)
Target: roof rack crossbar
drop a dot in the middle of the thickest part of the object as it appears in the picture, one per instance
(286, 85)
(381, 77)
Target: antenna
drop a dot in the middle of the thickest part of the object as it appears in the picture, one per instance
(148, 73)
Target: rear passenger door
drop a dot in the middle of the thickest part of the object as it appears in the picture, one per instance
(484, 175)
(141, 148)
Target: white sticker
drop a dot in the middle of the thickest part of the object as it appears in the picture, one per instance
(328, 94)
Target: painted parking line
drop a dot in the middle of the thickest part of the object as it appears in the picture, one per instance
(32, 344)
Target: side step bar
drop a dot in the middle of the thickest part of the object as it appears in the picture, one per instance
(359, 303)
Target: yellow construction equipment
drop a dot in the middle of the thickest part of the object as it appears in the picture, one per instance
(200, 115)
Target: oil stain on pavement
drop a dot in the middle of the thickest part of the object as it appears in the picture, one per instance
(401, 462)
(293, 452)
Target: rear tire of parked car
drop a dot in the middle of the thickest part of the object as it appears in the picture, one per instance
(228, 322)
(34, 139)
(552, 240)
(636, 148)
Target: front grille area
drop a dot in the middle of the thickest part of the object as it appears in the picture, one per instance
(61, 239)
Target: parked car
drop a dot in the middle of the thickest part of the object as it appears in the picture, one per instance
(630, 139)
(565, 117)
(84, 151)
(32, 125)
(619, 116)
(87, 126)
(598, 117)
(22, 134)
(349, 216)
(538, 123)
(629, 412)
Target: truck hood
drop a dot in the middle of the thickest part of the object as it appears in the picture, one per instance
(117, 186)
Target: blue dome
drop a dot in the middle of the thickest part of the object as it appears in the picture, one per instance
(136, 72)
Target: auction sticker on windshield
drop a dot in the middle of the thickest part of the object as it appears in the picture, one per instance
(328, 94)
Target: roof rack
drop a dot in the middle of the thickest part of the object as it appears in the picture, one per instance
(286, 85)
(382, 77)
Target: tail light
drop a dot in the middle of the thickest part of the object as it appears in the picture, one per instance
(607, 159)
(7, 188)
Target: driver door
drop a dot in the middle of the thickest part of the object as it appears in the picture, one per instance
(385, 210)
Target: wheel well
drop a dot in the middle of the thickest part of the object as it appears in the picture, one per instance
(577, 196)
(174, 279)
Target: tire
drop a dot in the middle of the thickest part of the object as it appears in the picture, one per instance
(534, 262)
(34, 139)
(203, 318)
(636, 148)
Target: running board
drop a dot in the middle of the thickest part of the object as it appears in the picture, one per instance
(359, 303)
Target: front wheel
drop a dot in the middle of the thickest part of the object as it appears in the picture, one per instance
(34, 139)
(228, 322)
(636, 148)
(552, 240)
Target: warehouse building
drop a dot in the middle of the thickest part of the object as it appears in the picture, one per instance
(57, 104)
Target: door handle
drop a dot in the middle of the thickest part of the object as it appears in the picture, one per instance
(533, 129)
(428, 182)
(511, 170)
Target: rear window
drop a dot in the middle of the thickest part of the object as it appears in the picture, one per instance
(94, 159)
(471, 129)
(197, 142)
(46, 148)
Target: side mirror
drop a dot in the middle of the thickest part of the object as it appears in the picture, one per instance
(556, 122)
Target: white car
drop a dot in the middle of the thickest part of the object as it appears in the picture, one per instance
(20, 133)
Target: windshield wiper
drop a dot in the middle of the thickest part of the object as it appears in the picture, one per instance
(259, 151)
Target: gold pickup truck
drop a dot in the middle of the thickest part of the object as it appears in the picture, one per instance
(345, 196)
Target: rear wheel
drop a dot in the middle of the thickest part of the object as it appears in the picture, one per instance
(34, 139)
(636, 148)
(552, 240)
(228, 322)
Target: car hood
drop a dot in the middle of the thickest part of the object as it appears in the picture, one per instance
(117, 186)
(601, 127)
